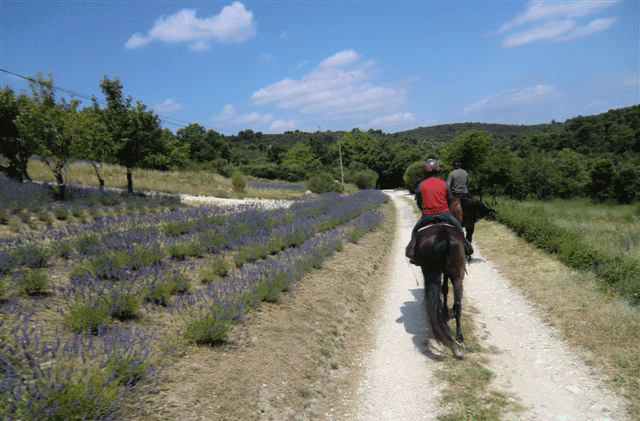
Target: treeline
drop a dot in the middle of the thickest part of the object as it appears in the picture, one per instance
(121, 132)
(594, 156)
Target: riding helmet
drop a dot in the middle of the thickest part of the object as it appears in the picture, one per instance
(431, 166)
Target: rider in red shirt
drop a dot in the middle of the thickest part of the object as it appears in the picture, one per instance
(432, 197)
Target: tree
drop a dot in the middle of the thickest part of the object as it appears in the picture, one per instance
(16, 149)
(473, 147)
(51, 127)
(95, 143)
(602, 176)
(135, 131)
(300, 158)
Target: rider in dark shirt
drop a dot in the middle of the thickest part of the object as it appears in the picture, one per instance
(458, 179)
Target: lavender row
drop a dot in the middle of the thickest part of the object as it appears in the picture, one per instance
(49, 384)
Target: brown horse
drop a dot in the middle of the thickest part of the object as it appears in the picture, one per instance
(468, 211)
(440, 253)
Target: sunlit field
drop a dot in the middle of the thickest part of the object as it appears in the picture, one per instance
(96, 291)
(203, 182)
(611, 228)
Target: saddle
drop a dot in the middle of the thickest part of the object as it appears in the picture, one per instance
(437, 220)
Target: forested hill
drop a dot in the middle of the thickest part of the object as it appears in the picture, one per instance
(444, 133)
(614, 131)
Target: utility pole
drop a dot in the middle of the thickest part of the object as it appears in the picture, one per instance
(340, 153)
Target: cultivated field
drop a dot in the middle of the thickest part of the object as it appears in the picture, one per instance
(98, 290)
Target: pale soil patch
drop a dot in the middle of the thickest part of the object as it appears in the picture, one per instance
(293, 360)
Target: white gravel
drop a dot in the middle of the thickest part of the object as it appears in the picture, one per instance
(530, 362)
(210, 200)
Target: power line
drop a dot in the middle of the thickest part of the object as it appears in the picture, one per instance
(176, 122)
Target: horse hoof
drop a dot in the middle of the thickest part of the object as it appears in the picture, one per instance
(459, 350)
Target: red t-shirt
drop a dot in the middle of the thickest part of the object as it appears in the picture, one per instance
(433, 193)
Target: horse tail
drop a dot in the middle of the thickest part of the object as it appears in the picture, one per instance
(433, 267)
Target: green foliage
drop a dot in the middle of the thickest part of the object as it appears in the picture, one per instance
(61, 213)
(33, 282)
(238, 182)
(324, 183)
(210, 326)
(123, 304)
(216, 269)
(365, 179)
(413, 175)
(183, 250)
(87, 316)
(16, 149)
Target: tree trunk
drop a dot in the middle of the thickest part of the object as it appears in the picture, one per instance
(100, 180)
(129, 181)
(62, 187)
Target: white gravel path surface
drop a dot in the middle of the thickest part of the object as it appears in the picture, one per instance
(529, 362)
(399, 383)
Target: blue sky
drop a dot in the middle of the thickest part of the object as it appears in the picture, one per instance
(273, 66)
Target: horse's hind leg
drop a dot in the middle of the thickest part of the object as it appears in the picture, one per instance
(457, 308)
(445, 293)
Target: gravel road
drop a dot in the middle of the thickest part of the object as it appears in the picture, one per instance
(529, 361)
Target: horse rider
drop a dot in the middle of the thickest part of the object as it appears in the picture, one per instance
(458, 179)
(432, 197)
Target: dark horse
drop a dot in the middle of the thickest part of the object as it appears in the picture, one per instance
(468, 211)
(440, 253)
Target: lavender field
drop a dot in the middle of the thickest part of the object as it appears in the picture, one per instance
(90, 307)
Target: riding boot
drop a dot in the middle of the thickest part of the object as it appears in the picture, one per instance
(468, 248)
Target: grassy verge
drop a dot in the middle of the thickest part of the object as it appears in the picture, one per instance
(579, 245)
(597, 323)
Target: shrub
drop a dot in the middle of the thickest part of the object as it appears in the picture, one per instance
(161, 290)
(218, 268)
(324, 183)
(182, 251)
(123, 304)
(4, 217)
(87, 316)
(237, 180)
(413, 175)
(61, 213)
(32, 256)
(211, 326)
(33, 282)
(365, 179)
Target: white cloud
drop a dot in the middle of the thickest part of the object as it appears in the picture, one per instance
(283, 34)
(547, 31)
(233, 24)
(555, 21)
(340, 86)
(168, 105)
(280, 126)
(392, 120)
(230, 116)
(516, 98)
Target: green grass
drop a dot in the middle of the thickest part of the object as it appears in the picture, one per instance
(602, 239)
(613, 229)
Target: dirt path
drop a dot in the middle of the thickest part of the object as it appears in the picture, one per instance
(528, 360)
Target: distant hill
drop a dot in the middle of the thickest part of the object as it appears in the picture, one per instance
(444, 133)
